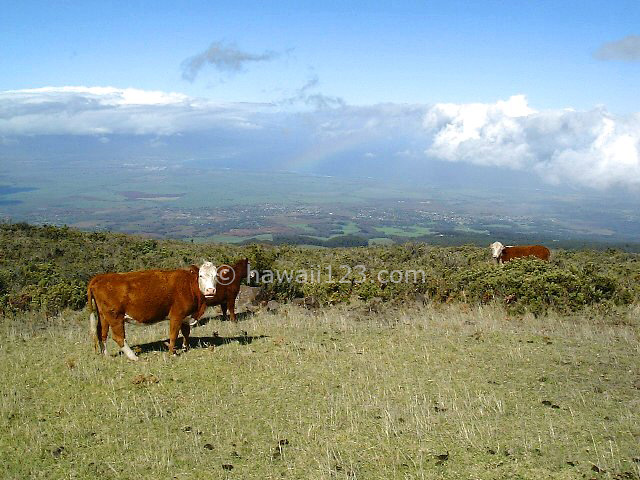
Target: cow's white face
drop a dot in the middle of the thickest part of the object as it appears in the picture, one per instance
(496, 249)
(207, 279)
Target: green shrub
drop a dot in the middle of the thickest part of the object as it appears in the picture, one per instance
(535, 285)
(5, 281)
(328, 293)
(54, 298)
(368, 290)
(51, 266)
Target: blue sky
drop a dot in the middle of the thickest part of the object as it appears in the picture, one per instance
(362, 52)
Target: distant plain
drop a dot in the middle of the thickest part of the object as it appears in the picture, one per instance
(184, 200)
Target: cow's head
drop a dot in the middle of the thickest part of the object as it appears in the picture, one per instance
(207, 275)
(496, 249)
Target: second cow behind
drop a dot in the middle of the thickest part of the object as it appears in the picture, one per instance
(502, 254)
(228, 286)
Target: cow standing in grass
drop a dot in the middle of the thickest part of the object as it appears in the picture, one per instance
(502, 254)
(228, 286)
(148, 297)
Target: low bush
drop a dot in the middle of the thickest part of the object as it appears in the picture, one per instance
(47, 268)
(534, 285)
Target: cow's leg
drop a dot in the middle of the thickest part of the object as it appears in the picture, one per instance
(223, 308)
(104, 333)
(174, 328)
(117, 333)
(101, 347)
(232, 311)
(186, 330)
(96, 330)
(93, 328)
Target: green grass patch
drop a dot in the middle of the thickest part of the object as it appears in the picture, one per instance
(447, 392)
(415, 231)
(349, 228)
(232, 239)
(467, 229)
(380, 241)
(305, 227)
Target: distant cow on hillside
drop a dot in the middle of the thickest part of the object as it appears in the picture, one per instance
(502, 254)
(147, 297)
(228, 286)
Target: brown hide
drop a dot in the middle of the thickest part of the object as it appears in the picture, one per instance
(148, 296)
(509, 253)
(228, 286)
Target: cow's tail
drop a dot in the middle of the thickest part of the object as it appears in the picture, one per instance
(94, 320)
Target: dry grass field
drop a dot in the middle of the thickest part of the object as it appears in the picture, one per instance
(430, 392)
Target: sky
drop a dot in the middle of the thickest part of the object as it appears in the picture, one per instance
(542, 87)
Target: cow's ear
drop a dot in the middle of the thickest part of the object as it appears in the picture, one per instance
(194, 269)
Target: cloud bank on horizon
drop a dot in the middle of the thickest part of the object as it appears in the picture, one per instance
(593, 148)
(80, 110)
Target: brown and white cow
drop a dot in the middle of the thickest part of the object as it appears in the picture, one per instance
(228, 286)
(148, 297)
(503, 254)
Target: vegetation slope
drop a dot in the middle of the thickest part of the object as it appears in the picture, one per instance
(526, 370)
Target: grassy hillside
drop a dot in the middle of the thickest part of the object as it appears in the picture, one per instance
(429, 392)
(524, 370)
(47, 269)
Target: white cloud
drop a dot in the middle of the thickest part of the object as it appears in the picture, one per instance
(485, 134)
(588, 148)
(103, 95)
(109, 110)
(593, 148)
